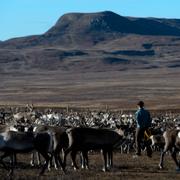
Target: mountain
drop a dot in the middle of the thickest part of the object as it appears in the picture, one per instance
(84, 48)
(79, 29)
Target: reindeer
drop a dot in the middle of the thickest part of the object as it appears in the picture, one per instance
(85, 139)
(12, 142)
(172, 144)
(157, 142)
(60, 142)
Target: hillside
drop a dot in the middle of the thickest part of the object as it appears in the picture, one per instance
(93, 59)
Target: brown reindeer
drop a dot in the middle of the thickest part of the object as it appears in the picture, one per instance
(157, 142)
(60, 142)
(172, 144)
(20, 142)
(85, 139)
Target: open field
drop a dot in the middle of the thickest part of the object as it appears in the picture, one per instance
(116, 89)
(125, 167)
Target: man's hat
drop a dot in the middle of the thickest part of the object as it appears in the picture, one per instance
(140, 103)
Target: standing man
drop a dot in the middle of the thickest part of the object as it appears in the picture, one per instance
(143, 121)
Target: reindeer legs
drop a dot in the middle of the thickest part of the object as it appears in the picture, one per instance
(12, 162)
(1, 159)
(173, 155)
(47, 159)
(84, 160)
(104, 152)
(110, 159)
(73, 157)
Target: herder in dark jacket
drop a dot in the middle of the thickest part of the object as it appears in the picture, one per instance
(143, 121)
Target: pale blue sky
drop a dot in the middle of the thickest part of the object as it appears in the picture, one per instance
(30, 17)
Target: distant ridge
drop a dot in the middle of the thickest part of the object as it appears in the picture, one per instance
(108, 21)
(94, 41)
(87, 29)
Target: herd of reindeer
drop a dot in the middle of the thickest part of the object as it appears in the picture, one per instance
(53, 134)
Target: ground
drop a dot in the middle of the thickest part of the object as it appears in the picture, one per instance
(125, 167)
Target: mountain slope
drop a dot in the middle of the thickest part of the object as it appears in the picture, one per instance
(94, 58)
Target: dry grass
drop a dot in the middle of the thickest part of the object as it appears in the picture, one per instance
(125, 167)
(117, 89)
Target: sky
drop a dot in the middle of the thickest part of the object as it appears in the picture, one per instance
(20, 18)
